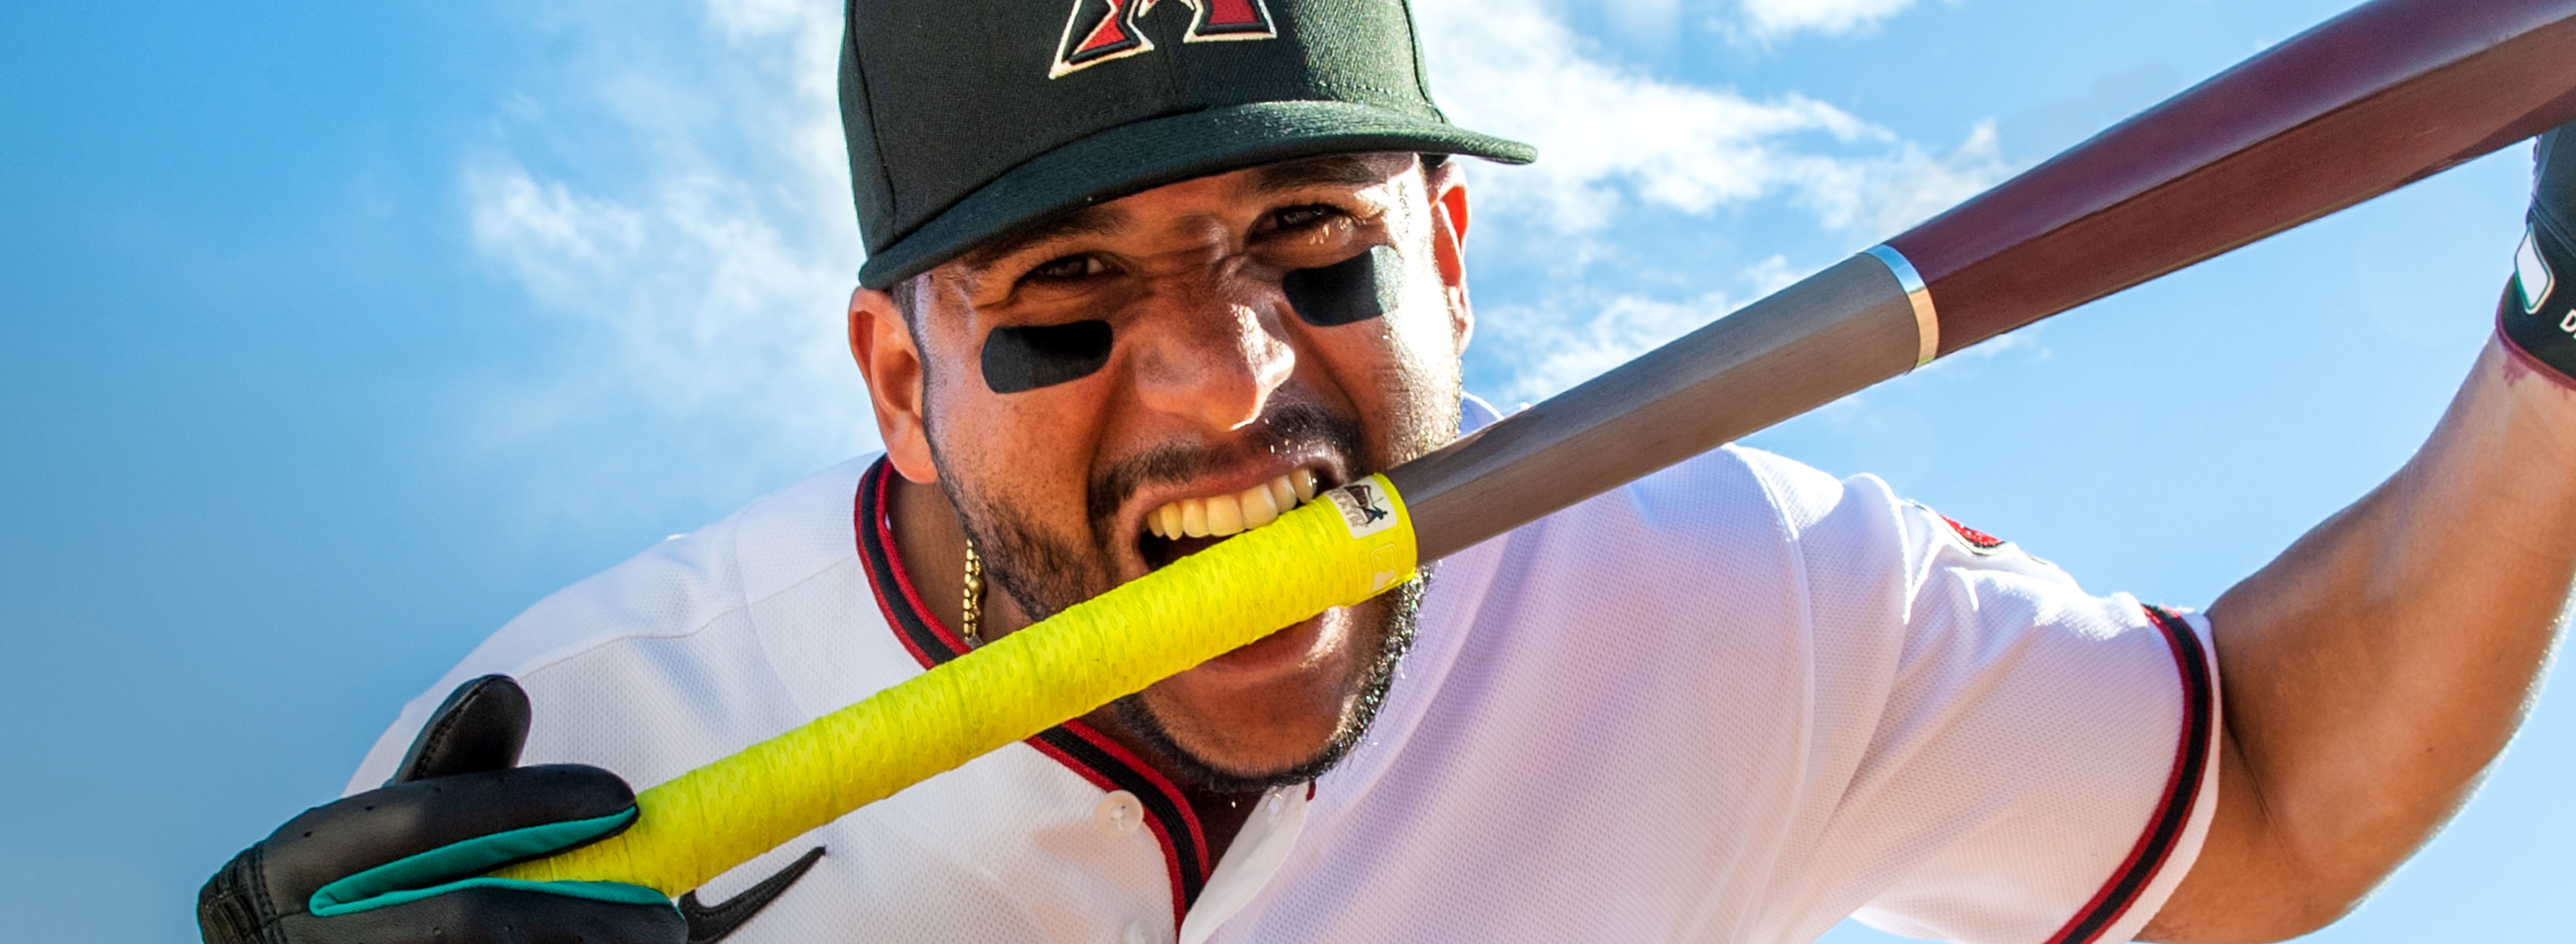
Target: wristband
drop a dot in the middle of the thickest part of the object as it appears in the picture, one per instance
(2537, 316)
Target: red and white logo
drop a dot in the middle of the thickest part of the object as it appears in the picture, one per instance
(1102, 30)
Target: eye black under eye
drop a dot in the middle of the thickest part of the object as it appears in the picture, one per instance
(1026, 358)
(1355, 289)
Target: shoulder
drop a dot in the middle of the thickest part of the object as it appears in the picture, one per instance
(645, 632)
(1701, 555)
(688, 581)
(1730, 499)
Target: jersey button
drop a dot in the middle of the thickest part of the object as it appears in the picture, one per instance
(1119, 811)
(1136, 934)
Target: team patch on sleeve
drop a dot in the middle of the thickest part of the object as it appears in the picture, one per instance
(1974, 541)
(1977, 542)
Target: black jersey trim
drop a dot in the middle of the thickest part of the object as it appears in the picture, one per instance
(931, 641)
(1110, 767)
(1088, 753)
(2182, 788)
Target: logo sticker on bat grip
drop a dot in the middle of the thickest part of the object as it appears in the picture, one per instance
(1365, 508)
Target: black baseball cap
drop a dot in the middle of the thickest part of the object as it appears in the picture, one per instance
(969, 118)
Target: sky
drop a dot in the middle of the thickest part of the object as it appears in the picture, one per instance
(332, 335)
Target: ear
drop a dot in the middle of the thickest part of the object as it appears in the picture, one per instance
(882, 344)
(1448, 192)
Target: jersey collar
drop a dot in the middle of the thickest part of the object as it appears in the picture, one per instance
(1074, 744)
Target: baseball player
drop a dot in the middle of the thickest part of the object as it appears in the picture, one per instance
(1141, 277)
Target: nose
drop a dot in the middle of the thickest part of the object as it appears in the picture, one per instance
(1211, 356)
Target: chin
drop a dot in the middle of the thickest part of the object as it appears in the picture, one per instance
(1272, 705)
(1279, 711)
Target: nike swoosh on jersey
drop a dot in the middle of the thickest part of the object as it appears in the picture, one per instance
(709, 925)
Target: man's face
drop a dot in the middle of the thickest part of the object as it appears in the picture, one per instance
(1215, 397)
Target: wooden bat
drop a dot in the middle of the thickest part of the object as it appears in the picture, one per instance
(2385, 94)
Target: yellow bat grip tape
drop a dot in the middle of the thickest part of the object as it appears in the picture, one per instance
(1351, 544)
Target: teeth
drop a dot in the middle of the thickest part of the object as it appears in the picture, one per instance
(1221, 515)
(1257, 508)
(1225, 514)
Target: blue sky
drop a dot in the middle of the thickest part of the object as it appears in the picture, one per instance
(331, 335)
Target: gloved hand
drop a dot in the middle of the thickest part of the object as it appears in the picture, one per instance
(400, 865)
(2538, 314)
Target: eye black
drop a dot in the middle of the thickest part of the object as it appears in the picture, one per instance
(1355, 289)
(1026, 358)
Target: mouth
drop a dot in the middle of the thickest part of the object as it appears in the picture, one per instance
(1186, 526)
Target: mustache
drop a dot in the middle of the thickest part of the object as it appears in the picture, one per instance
(1289, 428)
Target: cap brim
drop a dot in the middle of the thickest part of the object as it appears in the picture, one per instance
(1148, 154)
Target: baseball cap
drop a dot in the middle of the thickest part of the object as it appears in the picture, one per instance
(969, 118)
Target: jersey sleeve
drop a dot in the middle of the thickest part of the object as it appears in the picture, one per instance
(2028, 761)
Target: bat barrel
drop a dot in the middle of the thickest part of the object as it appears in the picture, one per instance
(2387, 93)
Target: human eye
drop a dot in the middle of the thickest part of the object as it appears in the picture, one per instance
(1303, 218)
(1067, 268)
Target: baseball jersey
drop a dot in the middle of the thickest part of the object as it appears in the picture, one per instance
(1736, 700)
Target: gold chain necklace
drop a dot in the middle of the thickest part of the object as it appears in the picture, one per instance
(970, 614)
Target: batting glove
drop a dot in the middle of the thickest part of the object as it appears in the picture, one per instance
(2538, 314)
(403, 864)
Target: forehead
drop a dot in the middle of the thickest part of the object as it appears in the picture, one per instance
(1242, 189)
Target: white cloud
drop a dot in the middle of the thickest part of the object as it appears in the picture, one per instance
(753, 19)
(1508, 67)
(1582, 330)
(1610, 136)
(690, 294)
(1776, 18)
(1772, 274)
(1550, 351)
(1614, 140)
(697, 271)
(1884, 194)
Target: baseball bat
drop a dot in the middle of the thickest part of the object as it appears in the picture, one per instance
(2385, 94)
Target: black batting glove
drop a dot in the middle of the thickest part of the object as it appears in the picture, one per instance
(401, 865)
(2538, 314)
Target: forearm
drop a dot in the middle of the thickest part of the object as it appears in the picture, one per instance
(2374, 669)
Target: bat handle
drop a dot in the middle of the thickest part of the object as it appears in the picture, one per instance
(1351, 544)
(1862, 321)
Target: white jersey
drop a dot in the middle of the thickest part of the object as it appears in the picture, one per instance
(1737, 700)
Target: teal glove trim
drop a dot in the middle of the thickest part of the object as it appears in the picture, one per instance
(422, 875)
(617, 892)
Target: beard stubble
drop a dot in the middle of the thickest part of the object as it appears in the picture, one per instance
(1046, 573)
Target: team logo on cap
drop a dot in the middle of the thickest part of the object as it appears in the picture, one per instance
(1102, 30)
